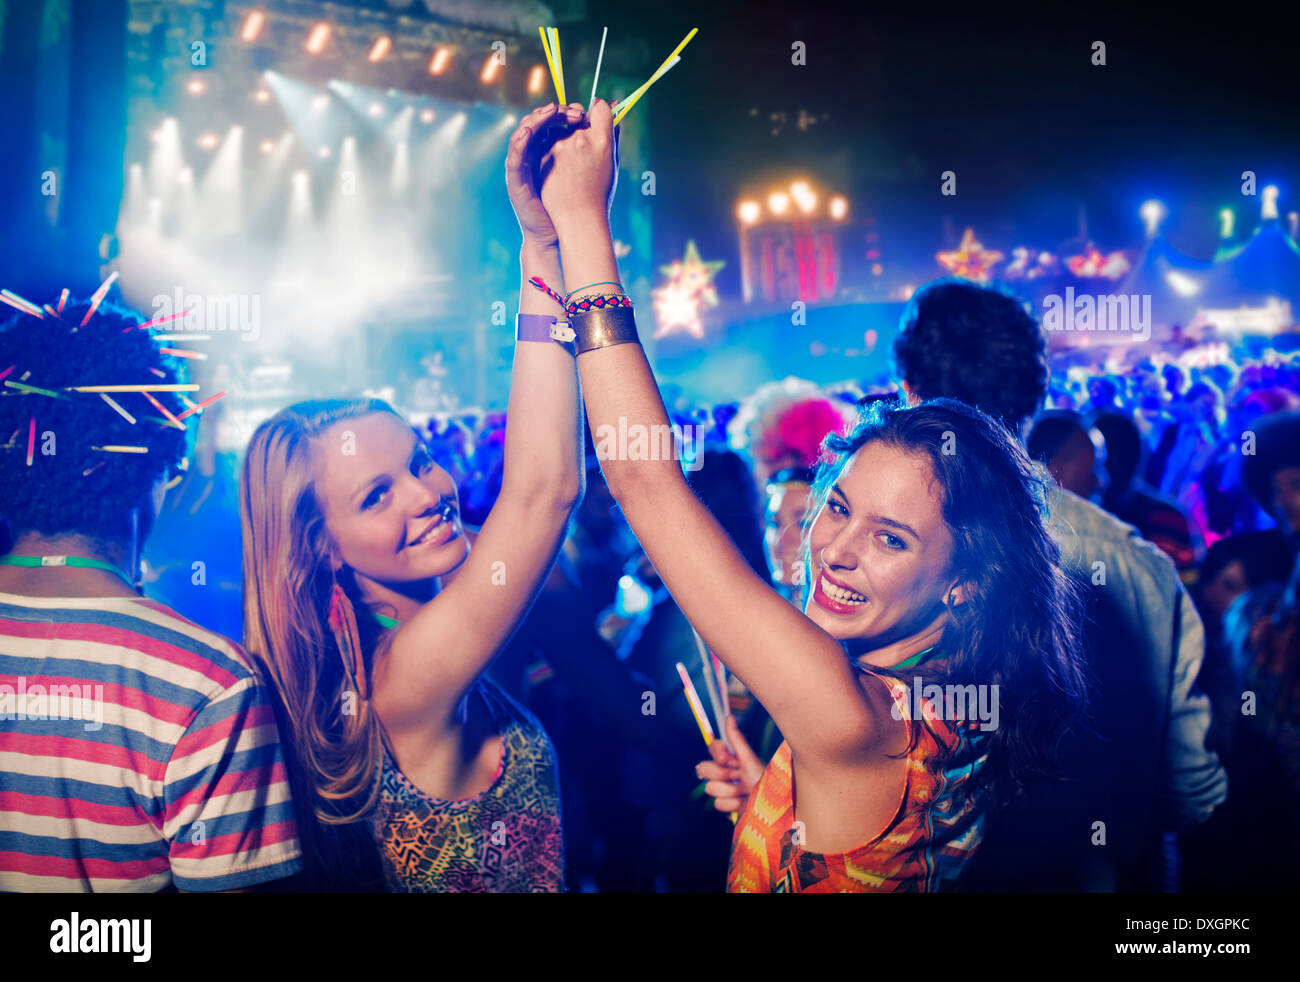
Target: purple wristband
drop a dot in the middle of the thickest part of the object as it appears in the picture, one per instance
(533, 327)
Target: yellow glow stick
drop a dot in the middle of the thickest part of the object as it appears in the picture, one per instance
(117, 448)
(626, 105)
(550, 62)
(559, 65)
(663, 70)
(697, 708)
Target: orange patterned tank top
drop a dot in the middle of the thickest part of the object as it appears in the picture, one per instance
(936, 828)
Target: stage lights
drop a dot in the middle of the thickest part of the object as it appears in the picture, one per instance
(1153, 213)
(440, 60)
(800, 193)
(487, 75)
(536, 79)
(318, 38)
(196, 87)
(253, 25)
(380, 49)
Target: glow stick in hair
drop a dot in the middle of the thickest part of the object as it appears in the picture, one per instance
(98, 297)
(202, 405)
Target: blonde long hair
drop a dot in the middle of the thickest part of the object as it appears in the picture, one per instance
(288, 585)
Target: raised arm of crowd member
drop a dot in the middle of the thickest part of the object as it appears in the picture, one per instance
(442, 649)
(814, 697)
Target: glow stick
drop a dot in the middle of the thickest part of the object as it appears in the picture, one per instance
(663, 70)
(22, 387)
(31, 440)
(147, 387)
(722, 687)
(697, 709)
(559, 64)
(626, 106)
(710, 683)
(98, 297)
(63, 299)
(17, 302)
(118, 448)
(596, 78)
(202, 405)
(164, 410)
(550, 63)
(184, 353)
(120, 411)
(7, 371)
(163, 320)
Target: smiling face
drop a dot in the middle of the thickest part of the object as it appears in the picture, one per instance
(880, 549)
(390, 511)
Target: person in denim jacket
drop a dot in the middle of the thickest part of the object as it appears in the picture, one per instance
(1143, 771)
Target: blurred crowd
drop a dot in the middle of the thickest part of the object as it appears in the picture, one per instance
(1166, 445)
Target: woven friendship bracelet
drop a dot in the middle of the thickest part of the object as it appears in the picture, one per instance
(540, 283)
(597, 302)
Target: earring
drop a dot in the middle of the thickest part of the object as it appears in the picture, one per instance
(343, 624)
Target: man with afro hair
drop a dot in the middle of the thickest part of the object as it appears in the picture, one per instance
(138, 751)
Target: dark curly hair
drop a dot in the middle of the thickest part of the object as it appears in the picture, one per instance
(1019, 628)
(55, 495)
(1277, 445)
(977, 344)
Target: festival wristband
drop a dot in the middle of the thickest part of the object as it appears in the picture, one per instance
(603, 327)
(533, 327)
(542, 327)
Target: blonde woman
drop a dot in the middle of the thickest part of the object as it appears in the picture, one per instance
(351, 535)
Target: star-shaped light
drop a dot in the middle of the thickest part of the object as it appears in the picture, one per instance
(689, 284)
(970, 260)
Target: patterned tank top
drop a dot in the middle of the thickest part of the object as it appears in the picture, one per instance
(936, 827)
(504, 840)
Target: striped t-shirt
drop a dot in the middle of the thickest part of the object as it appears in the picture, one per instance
(137, 751)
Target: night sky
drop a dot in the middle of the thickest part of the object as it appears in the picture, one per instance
(1008, 100)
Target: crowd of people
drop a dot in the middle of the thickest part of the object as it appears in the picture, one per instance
(459, 651)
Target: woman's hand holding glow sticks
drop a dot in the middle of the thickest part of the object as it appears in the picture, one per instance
(730, 776)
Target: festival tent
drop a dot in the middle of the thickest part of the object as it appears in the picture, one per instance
(1172, 280)
(1266, 267)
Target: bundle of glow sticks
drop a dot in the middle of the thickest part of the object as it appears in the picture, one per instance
(551, 47)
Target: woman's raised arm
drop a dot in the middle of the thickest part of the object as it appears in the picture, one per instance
(794, 668)
(438, 654)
